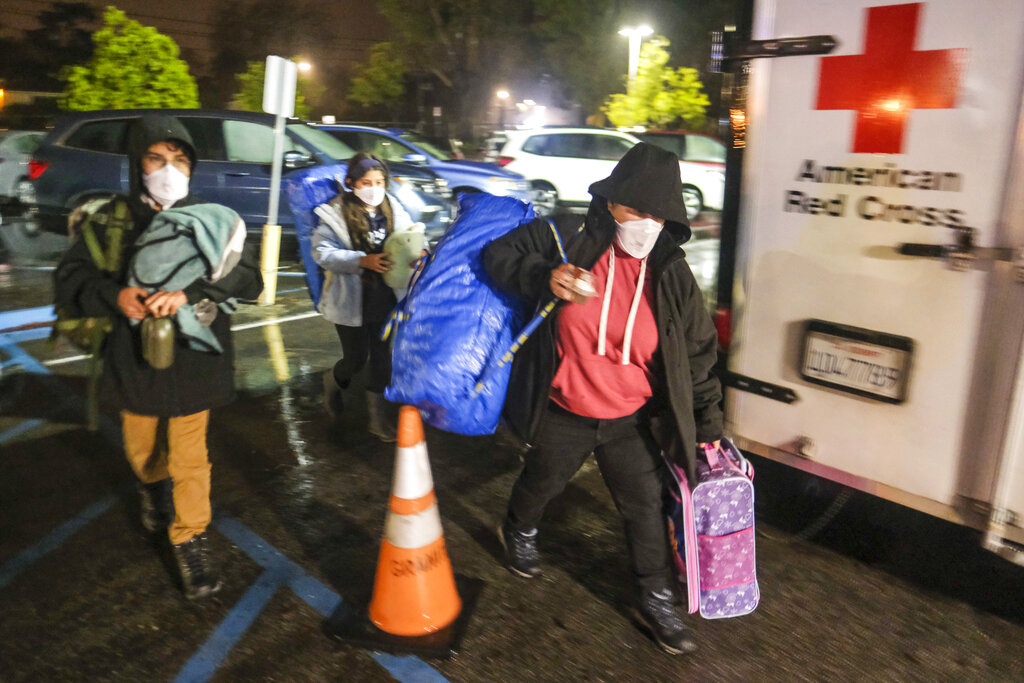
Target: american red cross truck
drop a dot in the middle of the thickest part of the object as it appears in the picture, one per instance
(873, 290)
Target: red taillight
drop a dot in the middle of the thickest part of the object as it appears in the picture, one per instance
(723, 323)
(505, 161)
(37, 168)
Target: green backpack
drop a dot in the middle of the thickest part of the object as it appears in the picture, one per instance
(88, 334)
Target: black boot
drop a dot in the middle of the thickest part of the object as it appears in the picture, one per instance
(656, 612)
(197, 576)
(332, 395)
(155, 505)
(382, 419)
(521, 556)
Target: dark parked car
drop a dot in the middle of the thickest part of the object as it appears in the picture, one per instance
(83, 157)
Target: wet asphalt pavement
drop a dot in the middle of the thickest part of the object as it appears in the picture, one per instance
(880, 594)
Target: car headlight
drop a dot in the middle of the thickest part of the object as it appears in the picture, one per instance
(504, 184)
(438, 186)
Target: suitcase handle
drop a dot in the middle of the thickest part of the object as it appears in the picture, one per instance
(728, 453)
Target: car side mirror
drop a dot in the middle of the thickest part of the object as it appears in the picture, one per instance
(414, 158)
(295, 159)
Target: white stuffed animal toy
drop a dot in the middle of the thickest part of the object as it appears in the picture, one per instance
(402, 249)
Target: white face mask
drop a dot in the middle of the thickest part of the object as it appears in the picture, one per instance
(166, 185)
(371, 196)
(637, 237)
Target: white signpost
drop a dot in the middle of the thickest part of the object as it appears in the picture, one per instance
(278, 99)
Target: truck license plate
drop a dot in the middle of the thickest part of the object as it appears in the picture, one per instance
(858, 361)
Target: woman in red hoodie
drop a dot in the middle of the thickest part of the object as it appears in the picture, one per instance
(623, 374)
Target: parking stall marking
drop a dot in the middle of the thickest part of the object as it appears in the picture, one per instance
(53, 540)
(315, 594)
(279, 570)
(205, 661)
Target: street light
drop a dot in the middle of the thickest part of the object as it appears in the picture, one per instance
(502, 96)
(635, 35)
(305, 66)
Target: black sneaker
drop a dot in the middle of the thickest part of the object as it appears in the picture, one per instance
(197, 577)
(521, 556)
(657, 613)
(155, 506)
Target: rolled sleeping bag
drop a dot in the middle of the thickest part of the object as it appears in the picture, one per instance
(402, 249)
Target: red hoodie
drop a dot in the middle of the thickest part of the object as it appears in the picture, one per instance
(596, 384)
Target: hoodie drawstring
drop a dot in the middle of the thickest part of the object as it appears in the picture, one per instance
(606, 304)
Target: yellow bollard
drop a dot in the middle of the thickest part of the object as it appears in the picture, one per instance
(270, 252)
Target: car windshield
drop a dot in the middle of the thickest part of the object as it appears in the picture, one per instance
(427, 146)
(322, 141)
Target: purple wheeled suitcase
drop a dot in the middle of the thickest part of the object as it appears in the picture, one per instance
(712, 532)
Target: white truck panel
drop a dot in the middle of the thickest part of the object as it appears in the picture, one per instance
(828, 253)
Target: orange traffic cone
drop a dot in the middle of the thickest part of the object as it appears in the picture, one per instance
(414, 590)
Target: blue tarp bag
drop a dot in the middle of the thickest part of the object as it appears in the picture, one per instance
(306, 190)
(455, 331)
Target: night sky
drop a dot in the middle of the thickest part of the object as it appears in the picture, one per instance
(189, 23)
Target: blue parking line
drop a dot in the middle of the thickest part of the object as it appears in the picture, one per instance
(29, 363)
(53, 540)
(26, 316)
(316, 595)
(28, 335)
(19, 357)
(205, 662)
(17, 430)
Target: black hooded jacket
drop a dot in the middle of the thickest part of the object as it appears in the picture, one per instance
(685, 407)
(197, 380)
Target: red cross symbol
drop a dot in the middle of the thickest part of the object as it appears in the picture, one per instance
(889, 79)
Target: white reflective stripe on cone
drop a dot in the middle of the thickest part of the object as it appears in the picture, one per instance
(412, 478)
(413, 531)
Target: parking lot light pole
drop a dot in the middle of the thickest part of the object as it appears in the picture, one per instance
(502, 96)
(635, 35)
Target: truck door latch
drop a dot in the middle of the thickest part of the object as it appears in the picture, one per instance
(725, 49)
(962, 254)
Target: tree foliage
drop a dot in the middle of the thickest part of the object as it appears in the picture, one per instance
(381, 80)
(245, 31)
(660, 95)
(33, 61)
(249, 96)
(457, 48)
(132, 66)
(580, 45)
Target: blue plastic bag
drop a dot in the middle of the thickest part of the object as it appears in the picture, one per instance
(454, 326)
(306, 190)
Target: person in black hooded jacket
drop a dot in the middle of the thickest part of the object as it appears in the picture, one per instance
(623, 370)
(161, 158)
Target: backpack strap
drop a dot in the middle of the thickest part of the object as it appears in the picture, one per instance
(95, 250)
(119, 223)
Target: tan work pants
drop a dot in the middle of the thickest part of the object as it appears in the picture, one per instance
(183, 458)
